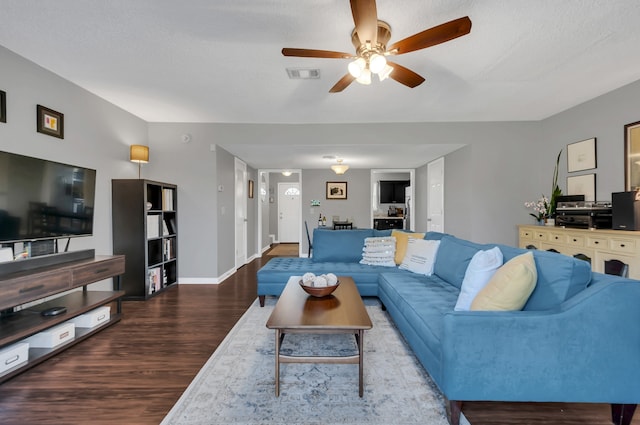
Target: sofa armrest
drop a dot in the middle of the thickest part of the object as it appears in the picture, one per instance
(585, 350)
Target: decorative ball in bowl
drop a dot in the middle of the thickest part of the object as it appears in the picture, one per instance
(319, 286)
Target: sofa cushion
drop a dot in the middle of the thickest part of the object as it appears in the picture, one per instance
(480, 270)
(454, 256)
(510, 287)
(420, 256)
(401, 243)
(339, 245)
(379, 251)
(560, 277)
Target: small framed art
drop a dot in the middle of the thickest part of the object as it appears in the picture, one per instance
(50, 122)
(582, 185)
(336, 190)
(581, 155)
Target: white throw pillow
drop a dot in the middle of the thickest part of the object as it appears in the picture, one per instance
(379, 251)
(420, 256)
(481, 268)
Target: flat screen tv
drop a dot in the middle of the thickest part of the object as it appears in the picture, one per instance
(41, 199)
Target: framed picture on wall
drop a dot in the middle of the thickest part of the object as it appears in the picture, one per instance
(50, 122)
(336, 190)
(581, 155)
(3, 106)
(582, 185)
(632, 156)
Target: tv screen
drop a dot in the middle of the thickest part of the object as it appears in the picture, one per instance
(42, 199)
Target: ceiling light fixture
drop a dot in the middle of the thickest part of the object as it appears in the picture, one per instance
(339, 168)
(286, 173)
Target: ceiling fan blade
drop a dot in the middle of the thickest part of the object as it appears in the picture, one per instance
(365, 17)
(310, 53)
(432, 36)
(343, 83)
(405, 75)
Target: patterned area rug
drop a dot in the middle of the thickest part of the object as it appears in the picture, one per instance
(237, 384)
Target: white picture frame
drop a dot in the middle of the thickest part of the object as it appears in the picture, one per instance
(581, 155)
(582, 185)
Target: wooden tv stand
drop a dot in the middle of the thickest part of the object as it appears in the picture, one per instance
(26, 286)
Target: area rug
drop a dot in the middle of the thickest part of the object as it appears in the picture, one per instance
(237, 385)
(284, 250)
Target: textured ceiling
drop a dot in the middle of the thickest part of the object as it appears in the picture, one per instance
(220, 61)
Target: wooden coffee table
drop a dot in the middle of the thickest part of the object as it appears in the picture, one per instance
(343, 312)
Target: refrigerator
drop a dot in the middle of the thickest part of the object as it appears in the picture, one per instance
(407, 208)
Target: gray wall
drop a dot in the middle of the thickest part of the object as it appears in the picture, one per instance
(356, 207)
(96, 135)
(503, 165)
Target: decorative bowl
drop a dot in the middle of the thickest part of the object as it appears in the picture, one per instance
(319, 292)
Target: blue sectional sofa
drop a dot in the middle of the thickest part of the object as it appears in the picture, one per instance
(577, 339)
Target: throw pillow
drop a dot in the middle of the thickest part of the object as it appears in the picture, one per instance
(480, 270)
(379, 251)
(510, 287)
(401, 243)
(420, 256)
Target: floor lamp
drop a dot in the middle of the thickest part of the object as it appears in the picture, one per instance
(139, 154)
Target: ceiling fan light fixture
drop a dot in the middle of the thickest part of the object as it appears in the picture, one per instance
(377, 63)
(385, 73)
(365, 77)
(357, 67)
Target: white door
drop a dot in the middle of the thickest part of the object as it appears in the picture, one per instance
(289, 212)
(241, 213)
(435, 195)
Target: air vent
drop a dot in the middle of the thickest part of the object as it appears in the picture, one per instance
(303, 73)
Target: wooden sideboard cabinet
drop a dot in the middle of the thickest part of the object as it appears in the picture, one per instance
(57, 281)
(599, 245)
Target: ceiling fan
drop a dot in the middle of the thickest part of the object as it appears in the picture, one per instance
(370, 37)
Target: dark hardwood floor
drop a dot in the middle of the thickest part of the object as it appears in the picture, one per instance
(133, 372)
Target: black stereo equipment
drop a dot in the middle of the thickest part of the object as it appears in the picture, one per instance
(626, 210)
(584, 215)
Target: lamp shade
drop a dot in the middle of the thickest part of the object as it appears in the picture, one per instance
(139, 154)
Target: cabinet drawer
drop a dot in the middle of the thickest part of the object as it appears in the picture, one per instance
(557, 237)
(526, 234)
(94, 272)
(24, 289)
(575, 240)
(622, 245)
(540, 236)
(597, 242)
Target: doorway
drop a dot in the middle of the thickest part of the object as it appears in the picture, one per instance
(289, 212)
(269, 208)
(240, 213)
(378, 208)
(435, 195)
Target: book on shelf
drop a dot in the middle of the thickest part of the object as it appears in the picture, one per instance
(167, 199)
(154, 279)
(170, 225)
(153, 226)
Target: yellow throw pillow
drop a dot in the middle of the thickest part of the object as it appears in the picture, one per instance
(510, 287)
(402, 239)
